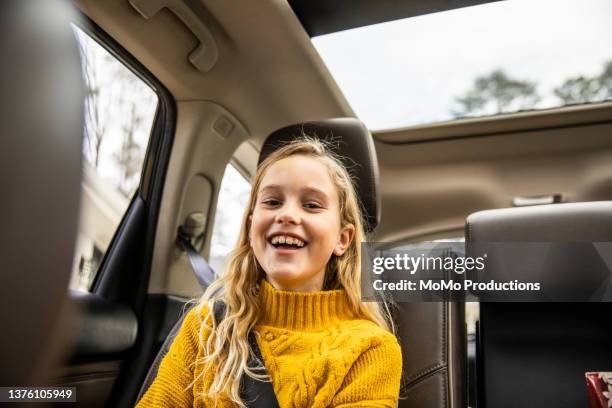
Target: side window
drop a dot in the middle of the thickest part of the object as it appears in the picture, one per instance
(119, 113)
(233, 199)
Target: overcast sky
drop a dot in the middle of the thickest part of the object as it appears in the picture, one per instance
(409, 71)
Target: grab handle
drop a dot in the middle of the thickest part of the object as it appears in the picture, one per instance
(205, 55)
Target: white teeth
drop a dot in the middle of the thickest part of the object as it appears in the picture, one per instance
(282, 239)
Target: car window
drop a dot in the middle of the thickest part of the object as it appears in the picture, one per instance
(119, 113)
(232, 201)
(489, 59)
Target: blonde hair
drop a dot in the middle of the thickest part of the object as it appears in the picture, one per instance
(226, 345)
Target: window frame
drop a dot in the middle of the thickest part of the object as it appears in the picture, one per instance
(157, 153)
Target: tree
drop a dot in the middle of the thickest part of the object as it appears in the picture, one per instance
(584, 89)
(96, 112)
(129, 157)
(118, 108)
(577, 90)
(130, 97)
(497, 93)
(605, 80)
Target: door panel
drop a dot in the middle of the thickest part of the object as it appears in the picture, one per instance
(108, 353)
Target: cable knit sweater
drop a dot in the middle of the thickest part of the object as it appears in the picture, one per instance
(318, 353)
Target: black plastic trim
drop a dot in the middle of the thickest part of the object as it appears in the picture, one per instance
(104, 329)
(120, 275)
(321, 17)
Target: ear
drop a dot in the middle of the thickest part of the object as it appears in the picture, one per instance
(344, 240)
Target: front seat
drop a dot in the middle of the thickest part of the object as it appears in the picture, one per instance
(536, 354)
(40, 159)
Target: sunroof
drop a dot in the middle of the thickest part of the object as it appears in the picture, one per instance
(485, 60)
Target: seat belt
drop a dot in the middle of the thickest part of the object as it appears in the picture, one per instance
(192, 231)
(255, 393)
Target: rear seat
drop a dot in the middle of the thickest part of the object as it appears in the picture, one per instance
(432, 335)
(536, 354)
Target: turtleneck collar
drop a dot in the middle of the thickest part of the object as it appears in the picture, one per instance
(309, 311)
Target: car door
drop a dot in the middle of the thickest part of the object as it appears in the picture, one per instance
(128, 134)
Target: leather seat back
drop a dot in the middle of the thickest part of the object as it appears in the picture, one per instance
(536, 354)
(433, 340)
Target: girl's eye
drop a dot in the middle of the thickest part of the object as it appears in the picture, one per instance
(312, 206)
(271, 202)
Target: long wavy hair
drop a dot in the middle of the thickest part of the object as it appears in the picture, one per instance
(226, 347)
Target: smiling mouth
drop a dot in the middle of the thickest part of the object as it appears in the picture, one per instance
(284, 242)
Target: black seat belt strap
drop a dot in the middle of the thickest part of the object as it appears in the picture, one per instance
(203, 272)
(255, 393)
(192, 231)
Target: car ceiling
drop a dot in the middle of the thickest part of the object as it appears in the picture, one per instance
(268, 73)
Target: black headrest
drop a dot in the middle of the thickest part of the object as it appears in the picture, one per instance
(576, 267)
(570, 222)
(353, 142)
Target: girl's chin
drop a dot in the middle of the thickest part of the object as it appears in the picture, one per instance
(290, 280)
(286, 275)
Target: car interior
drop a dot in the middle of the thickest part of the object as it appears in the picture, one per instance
(210, 85)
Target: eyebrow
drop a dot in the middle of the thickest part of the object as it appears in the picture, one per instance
(305, 189)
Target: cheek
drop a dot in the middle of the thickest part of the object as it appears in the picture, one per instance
(258, 228)
(328, 233)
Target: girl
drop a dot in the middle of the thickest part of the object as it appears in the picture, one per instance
(294, 278)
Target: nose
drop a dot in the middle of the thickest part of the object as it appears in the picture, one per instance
(289, 213)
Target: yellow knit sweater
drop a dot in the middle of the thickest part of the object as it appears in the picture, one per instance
(318, 353)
